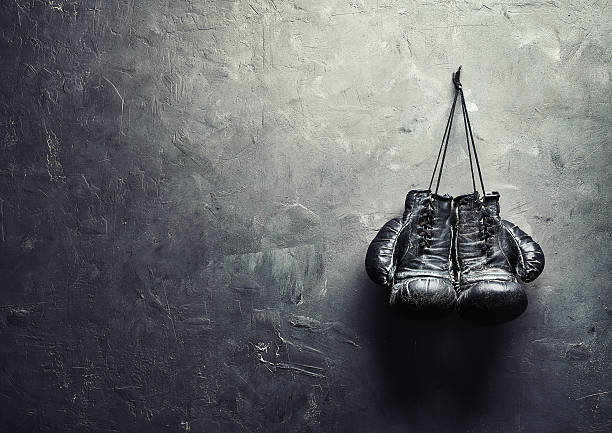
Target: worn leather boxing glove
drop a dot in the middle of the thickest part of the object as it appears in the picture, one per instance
(490, 254)
(412, 255)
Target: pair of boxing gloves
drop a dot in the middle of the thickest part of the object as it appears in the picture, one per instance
(446, 253)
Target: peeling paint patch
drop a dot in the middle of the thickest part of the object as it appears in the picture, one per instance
(54, 166)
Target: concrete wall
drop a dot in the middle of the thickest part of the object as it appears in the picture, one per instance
(189, 187)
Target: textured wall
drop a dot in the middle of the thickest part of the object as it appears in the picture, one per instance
(189, 187)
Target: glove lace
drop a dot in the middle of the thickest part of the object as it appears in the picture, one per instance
(487, 229)
(425, 224)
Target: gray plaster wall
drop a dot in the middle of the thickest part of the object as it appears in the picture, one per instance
(189, 188)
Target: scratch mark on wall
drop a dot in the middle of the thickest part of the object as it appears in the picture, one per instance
(593, 395)
(122, 104)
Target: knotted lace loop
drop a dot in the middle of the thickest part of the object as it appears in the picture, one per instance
(425, 223)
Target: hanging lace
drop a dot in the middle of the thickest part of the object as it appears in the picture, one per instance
(468, 136)
(487, 221)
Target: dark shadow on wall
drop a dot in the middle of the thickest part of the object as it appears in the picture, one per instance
(430, 375)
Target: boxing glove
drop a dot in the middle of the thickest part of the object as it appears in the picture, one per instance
(412, 255)
(491, 254)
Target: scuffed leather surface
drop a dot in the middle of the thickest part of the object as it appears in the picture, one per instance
(527, 257)
(489, 290)
(471, 259)
(380, 262)
(429, 296)
(435, 258)
(396, 258)
(491, 301)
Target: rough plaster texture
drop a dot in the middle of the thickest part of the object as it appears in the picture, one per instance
(189, 187)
